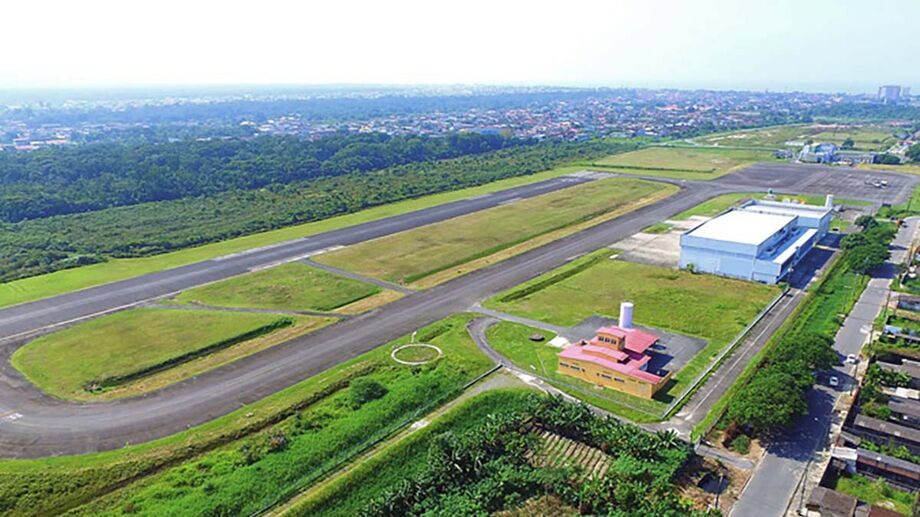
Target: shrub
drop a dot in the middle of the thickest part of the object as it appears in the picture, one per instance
(741, 444)
(363, 390)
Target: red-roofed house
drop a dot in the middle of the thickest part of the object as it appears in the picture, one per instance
(615, 358)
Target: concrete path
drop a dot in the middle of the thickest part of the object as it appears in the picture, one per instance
(556, 329)
(725, 457)
(355, 276)
(779, 475)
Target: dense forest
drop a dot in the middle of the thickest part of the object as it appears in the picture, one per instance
(33, 247)
(57, 181)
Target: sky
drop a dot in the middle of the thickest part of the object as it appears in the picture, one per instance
(813, 45)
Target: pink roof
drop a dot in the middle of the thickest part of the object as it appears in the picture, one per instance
(613, 353)
(631, 367)
(636, 340)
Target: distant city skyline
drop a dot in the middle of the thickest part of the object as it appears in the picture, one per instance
(850, 46)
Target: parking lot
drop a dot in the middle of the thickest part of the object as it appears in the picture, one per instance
(671, 353)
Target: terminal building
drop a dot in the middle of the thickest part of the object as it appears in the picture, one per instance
(759, 241)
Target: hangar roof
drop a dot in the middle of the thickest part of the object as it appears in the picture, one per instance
(791, 209)
(742, 227)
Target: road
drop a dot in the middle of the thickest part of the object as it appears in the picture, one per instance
(779, 473)
(33, 424)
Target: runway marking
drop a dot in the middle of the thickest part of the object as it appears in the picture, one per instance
(290, 259)
(11, 416)
(256, 250)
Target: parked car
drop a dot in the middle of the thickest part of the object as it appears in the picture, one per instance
(833, 381)
(852, 359)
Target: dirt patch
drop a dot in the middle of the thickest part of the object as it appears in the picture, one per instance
(704, 480)
(660, 248)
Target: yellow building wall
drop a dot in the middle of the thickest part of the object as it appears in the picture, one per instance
(594, 374)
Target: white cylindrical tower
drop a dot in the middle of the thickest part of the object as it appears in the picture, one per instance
(626, 315)
(829, 201)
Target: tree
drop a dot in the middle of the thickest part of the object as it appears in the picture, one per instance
(853, 240)
(770, 401)
(866, 221)
(848, 144)
(863, 259)
(888, 159)
(913, 152)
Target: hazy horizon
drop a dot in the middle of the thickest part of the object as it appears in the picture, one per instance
(842, 46)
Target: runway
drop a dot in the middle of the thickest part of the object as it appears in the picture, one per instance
(33, 316)
(45, 426)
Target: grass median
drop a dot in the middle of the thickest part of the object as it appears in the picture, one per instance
(291, 286)
(86, 360)
(413, 255)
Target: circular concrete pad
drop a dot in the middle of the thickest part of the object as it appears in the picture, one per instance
(437, 351)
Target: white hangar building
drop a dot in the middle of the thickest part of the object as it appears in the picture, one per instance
(759, 241)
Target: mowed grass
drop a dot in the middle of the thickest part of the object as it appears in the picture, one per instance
(415, 254)
(705, 306)
(682, 162)
(51, 284)
(314, 428)
(64, 362)
(293, 286)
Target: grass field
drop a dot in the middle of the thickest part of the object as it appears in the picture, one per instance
(43, 286)
(877, 493)
(869, 137)
(658, 228)
(240, 462)
(349, 493)
(415, 254)
(293, 286)
(682, 162)
(705, 306)
(118, 345)
(909, 168)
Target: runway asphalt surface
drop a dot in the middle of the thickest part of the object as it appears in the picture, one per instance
(33, 424)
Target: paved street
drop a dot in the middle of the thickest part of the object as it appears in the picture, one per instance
(777, 476)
